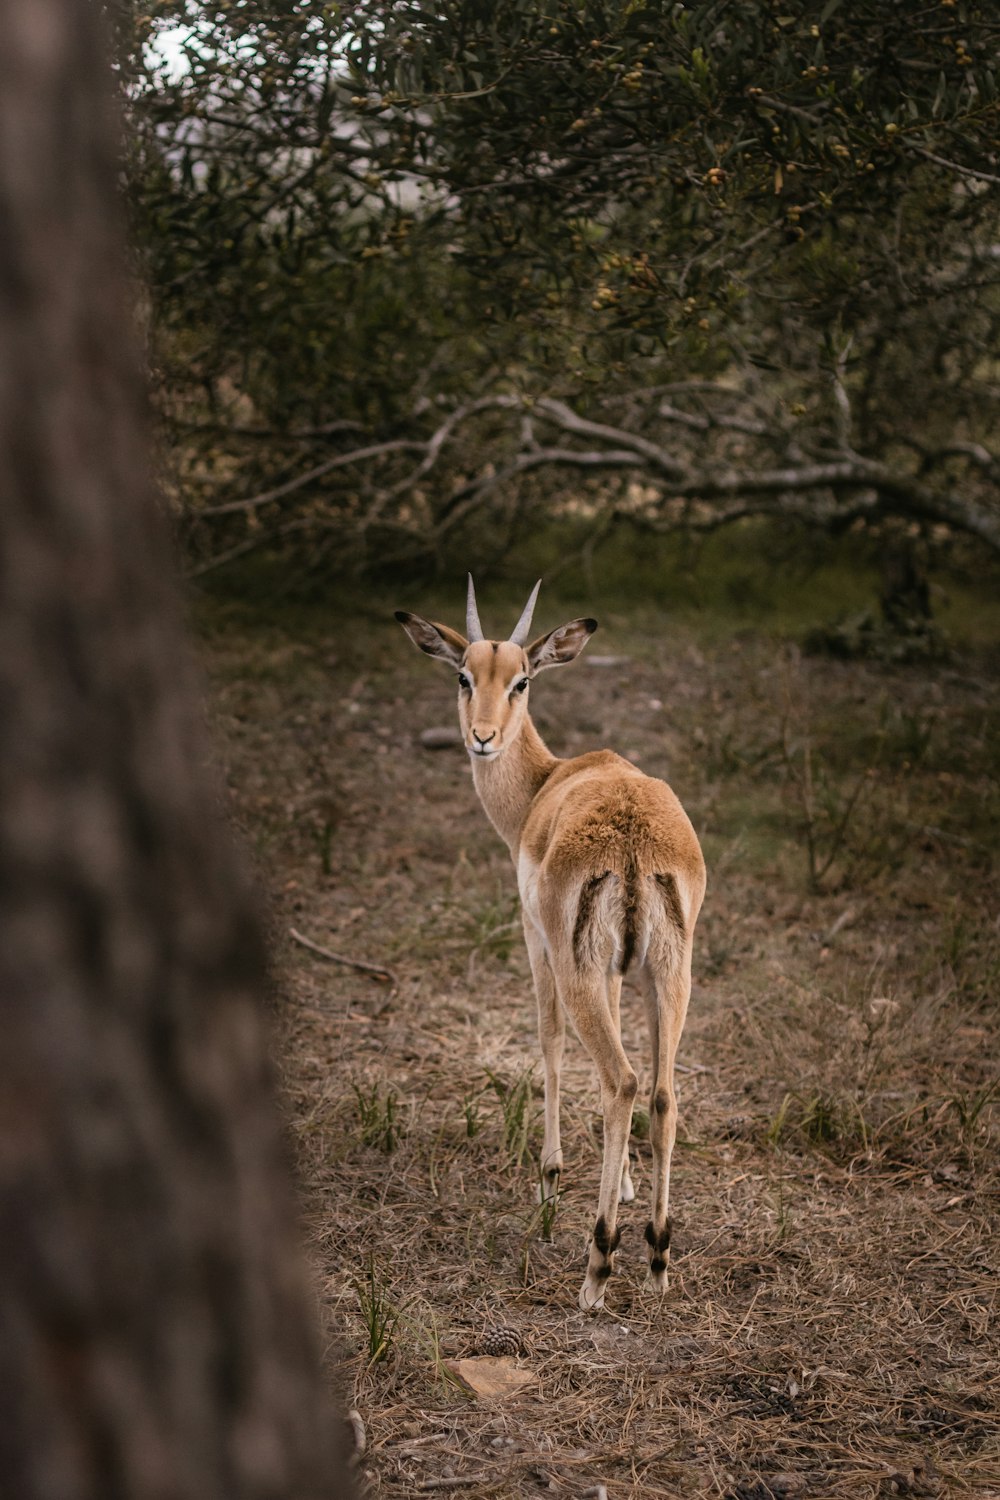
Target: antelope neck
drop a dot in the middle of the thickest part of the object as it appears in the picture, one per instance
(508, 783)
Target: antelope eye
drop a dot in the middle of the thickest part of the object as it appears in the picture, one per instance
(464, 683)
(519, 687)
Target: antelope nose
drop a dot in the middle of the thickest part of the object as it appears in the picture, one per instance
(477, 736)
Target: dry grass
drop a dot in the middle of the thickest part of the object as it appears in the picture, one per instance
(830, 1327)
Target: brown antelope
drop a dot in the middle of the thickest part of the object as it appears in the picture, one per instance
(611, 877)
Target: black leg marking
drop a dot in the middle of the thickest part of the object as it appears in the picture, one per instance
(657, 1242)
(657, 1264)
(603, 1272)
(606, 1243)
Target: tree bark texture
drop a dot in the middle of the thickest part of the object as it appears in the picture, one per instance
(156, 1332)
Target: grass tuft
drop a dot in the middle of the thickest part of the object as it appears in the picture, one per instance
(379, 1117)
(515, 1108)
(379, 1314)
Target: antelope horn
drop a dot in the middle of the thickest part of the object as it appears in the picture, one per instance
(473, 629)
(519, 635)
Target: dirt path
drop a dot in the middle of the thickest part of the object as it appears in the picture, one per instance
(831, 1322)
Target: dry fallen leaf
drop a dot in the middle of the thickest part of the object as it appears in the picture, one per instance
(491, 1377)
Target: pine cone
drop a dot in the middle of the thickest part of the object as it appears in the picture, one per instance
(738, 1128)
(498, 1341)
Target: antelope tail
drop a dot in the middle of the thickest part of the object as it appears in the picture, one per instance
(617, 914)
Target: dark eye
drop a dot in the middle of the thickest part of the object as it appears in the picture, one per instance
(464, 683)
(519, 687)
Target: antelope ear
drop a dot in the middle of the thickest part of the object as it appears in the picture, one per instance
(436, 640)
(560, 646)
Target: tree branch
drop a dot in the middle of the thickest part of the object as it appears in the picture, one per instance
(655, 457)
(952, 166)
(704, 422)
(743, 489)
(342, 461)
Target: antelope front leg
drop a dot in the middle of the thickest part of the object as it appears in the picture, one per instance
(552, 1036)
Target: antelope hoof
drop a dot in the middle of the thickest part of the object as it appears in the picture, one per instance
(627, 1192)
(655, 1282)
(591, 1297)
(599, 1266)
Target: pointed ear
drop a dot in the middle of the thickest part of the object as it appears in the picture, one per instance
(436, 640)
(560, 646)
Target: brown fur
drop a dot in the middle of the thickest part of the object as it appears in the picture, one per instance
(597, 816)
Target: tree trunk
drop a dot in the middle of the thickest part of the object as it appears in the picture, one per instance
(906, 594)
(156, 1333)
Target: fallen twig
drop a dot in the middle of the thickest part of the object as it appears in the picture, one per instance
(384, 976)
(849, 915)
(358, 1433)
(457, 1481)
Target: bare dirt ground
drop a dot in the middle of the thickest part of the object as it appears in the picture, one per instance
(830, 1327)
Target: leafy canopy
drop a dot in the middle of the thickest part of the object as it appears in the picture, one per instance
(357, 218)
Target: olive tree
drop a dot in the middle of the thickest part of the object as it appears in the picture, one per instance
(420, 265)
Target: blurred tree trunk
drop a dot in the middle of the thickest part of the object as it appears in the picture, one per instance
(906, 593)
(156, 1332)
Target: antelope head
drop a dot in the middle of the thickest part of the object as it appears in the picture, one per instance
(494, 676)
